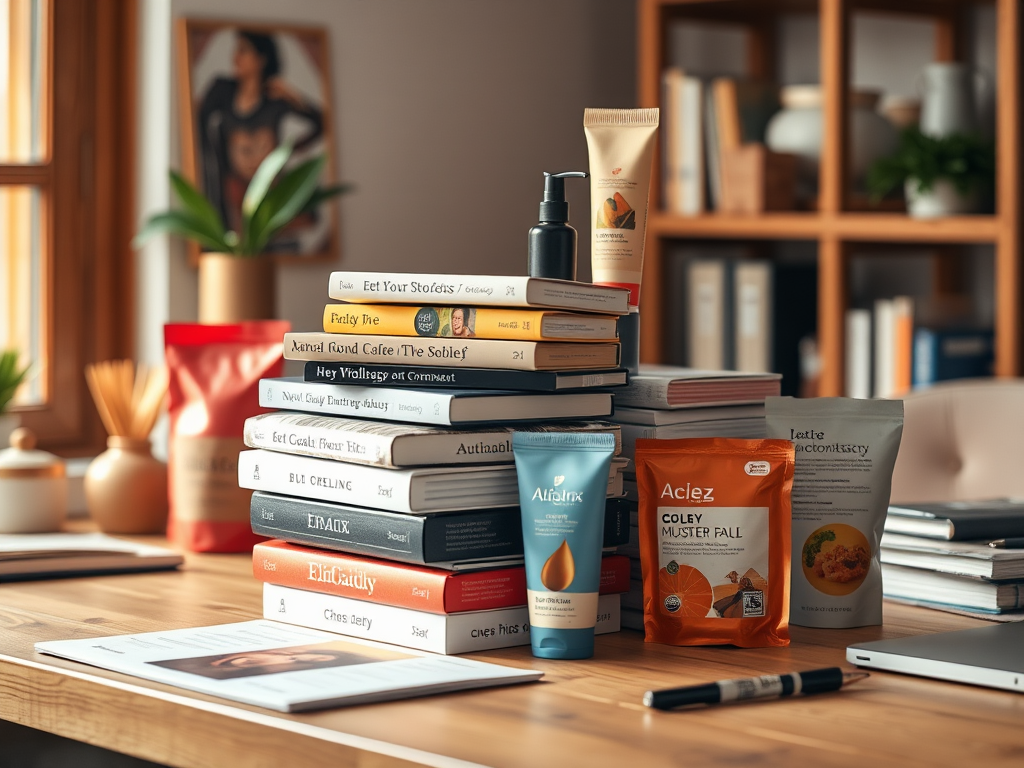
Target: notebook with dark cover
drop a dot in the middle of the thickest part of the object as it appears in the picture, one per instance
(958, 520)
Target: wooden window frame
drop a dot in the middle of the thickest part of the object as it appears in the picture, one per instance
(87, 211)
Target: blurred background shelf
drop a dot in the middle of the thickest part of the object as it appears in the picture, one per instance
(844, 240)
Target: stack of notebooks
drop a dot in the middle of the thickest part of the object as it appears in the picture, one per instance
(964, 557)
(385, 477)
(666, 403)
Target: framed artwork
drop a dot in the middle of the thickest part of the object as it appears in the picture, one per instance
(245, 89)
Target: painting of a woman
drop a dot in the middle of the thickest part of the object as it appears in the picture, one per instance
(250, 89)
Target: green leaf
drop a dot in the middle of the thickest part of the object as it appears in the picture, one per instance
(323, 194)
(11, 376)
(195, 202)
(183, 224)
(260, 184)
(285, 201)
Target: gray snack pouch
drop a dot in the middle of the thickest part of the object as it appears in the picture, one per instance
(845, 452)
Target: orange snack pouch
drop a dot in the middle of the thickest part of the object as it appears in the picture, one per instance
(715, 540)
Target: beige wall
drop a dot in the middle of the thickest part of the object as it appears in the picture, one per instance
(447, 112)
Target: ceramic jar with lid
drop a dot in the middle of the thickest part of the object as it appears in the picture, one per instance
(33, 487)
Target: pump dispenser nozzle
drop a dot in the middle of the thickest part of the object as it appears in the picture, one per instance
(552, 243)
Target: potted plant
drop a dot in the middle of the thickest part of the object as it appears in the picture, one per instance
(236, 278)
(941, 176)
(11, 377)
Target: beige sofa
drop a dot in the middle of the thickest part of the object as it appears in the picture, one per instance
(962, 440)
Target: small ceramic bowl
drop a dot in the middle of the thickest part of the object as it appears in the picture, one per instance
(33, 487)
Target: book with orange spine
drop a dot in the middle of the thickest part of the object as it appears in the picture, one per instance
(406, 586)
(468, 322)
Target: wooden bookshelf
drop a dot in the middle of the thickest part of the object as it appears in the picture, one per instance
(839, 223)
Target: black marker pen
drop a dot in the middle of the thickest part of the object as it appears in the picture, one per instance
(764, 687)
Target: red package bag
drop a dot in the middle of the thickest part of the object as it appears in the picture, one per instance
(214, 373)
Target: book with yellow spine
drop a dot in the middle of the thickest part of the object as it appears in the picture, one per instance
(468, 323)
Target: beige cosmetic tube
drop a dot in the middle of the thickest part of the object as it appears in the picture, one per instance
(621, 144)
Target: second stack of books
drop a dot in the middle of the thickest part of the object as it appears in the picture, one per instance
(663, 402)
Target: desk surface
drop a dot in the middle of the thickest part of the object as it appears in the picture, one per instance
(583, 711)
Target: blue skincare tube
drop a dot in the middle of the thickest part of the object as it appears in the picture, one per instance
(563, 482)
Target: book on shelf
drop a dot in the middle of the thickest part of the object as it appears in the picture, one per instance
(753, 287)
(885, 348)
(957, 520)
(402, 585)
(748, 429)
(426, 489)
(903, 343)
(47, 555)
(970, 592)
(425, 376)
(671, 137)
(458, 353)
(657, 418)
(451, 633)
(858, 353)
(664, 386)
(394, 445)
(683, 129)
(458, 539)
(444, 407)
(953, 353)
(710, 320)
(476, 290)
(712, 151)
(280, 667)
(468, 322)
(966, 558)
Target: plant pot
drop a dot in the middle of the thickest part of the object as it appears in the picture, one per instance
(942, 199)
(235, 288)
(126, 488)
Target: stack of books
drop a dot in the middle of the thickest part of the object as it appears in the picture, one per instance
(964, 557)
(666, 403)
(386, 477)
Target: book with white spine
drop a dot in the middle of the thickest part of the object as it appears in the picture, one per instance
(436, 632)
(442, 407)
(459, 353)
(413, 491)
(384, 444)
(476, 290)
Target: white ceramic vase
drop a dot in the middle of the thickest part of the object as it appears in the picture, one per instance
(798, 129)
(942, 199)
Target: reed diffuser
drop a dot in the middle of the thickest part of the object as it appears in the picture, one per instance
(125, 486)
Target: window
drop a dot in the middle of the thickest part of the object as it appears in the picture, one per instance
(66, 111)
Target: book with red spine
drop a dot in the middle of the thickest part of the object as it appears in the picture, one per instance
(419, 588)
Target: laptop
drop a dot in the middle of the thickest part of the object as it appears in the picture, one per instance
(992, 656)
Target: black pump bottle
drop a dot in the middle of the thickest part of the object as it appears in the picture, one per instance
(552, 243)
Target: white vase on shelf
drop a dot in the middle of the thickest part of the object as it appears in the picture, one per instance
(799, 127)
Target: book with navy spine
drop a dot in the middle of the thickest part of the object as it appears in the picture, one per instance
(426, 377)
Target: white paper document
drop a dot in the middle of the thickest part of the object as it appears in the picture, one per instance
(281, 667)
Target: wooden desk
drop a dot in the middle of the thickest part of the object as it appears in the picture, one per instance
(585, 713)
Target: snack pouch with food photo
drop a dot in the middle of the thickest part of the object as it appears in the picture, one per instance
(715, 540)
(845, 453)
